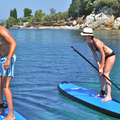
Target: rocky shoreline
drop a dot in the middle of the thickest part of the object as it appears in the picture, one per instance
(56, 27)
(47, 27)
(101, 21)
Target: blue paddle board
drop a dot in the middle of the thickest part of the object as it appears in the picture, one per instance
(87, 98)
(17, 115)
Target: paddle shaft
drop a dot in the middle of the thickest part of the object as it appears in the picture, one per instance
(94, 67)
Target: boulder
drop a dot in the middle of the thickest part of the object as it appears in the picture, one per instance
(99, 21)
(116, 24)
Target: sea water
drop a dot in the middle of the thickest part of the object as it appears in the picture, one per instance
(45, 59)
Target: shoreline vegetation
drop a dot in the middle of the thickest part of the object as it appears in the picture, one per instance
(97, 14)
(68, 23)
(101, 21)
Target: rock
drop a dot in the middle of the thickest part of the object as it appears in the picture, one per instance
(99, 21)
(116, 24)
(74, 22)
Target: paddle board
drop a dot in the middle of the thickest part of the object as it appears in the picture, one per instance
(87, 98)
(17, 115)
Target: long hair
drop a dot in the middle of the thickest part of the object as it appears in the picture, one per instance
(92, 37)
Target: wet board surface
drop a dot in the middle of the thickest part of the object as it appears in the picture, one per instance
(87, 98)
(17, 115)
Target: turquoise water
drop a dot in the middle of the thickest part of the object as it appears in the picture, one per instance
(45, 59)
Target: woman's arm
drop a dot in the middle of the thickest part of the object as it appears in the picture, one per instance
(99, 45)
(95, 55)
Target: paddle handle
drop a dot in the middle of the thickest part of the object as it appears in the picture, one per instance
(95, 67)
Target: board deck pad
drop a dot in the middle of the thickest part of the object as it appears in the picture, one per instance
(87, 98)
(17, 115)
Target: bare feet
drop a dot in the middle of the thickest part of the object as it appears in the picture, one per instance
(100, 95)
(9, 118)
(2, 111)
(106, 99)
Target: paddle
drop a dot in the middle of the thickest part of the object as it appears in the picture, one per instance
(95, 67)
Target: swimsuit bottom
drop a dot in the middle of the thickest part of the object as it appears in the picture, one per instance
(7, 72)
(111, 54)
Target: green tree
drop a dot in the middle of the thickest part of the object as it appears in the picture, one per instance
(15, 13)
(99, 4)
(39, 15)
(73, 11)
(25, 19)
(86, 7)
(11, 13)
(80, 8)
(10, 21)
(114, 4)
(63, 15)
(3, 23)
(30, 21)
(56, 16)
(89, 6)
(47, 17)
(27, 12)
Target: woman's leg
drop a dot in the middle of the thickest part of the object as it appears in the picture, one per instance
(107, 69)
(102, 84)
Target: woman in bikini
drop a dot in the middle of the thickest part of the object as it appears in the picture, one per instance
(104, 65)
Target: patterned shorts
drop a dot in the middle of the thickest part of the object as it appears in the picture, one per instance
(7, 72)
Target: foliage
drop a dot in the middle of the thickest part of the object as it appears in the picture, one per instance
(64, 15)
(13, 13)
(11, 21)
(73, 11)
(47, 17)
(89, 6)
(105, 1)
(79, 8)
(99, 4)
(39, 15)
(56, 16)
(85, 7)
(30, 20)
(3, 23)
(27, 12)
(114, 4)
(25, 19)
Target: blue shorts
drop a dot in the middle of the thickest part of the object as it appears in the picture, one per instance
(7, 72)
